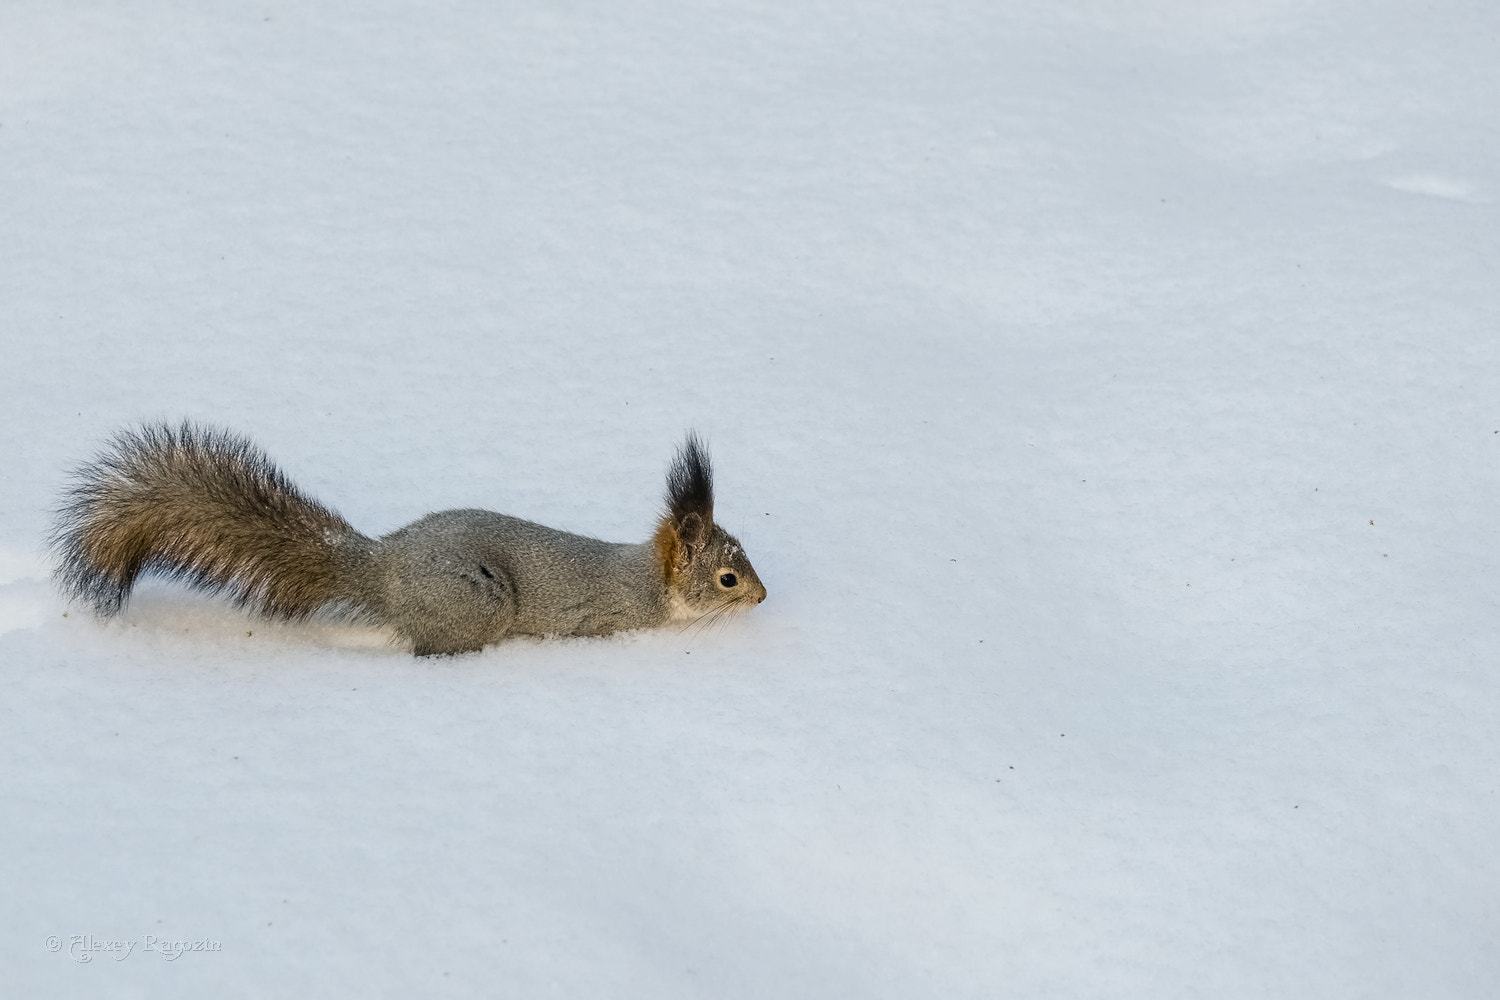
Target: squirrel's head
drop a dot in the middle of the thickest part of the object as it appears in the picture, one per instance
(706, 570)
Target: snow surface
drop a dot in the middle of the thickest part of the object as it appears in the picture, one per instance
(1105, 391)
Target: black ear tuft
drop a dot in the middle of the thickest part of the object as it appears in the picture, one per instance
(690, 483)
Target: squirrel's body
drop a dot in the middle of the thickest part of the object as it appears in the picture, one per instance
(542, 581)
(210, 508)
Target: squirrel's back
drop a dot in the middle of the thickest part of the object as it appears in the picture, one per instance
(540, 580)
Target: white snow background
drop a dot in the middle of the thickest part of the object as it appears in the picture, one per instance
(1105, 391)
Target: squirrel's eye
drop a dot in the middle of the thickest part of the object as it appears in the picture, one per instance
(728, 579)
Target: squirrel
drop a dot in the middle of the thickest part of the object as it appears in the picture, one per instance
(208, 507)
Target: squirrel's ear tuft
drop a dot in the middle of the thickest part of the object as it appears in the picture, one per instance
(690, 487)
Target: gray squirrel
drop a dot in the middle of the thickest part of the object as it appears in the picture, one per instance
(208, 507)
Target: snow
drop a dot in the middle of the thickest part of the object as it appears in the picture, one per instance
(1104, 392)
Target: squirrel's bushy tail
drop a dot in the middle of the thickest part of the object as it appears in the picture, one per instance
(210, 508)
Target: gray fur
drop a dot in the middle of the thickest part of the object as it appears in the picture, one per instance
(174, 502)
(463, 578)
